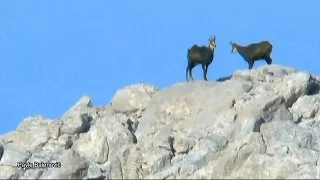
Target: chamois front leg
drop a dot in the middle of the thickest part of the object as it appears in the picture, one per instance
(268, 60)
(187, 69)
(250, 64)
(205, 68)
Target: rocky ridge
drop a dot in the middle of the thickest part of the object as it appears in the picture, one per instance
(259, 123)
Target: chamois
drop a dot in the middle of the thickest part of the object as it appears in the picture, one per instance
(200, 55)
(254, 52)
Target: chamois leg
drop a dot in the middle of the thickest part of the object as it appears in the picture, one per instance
(250, 64)
(205, 68)
(189, 69)
(268, 60)
(187, 78)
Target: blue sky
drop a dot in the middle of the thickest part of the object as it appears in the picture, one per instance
(54, 52)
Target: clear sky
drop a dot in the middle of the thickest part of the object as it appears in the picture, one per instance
(54, 52)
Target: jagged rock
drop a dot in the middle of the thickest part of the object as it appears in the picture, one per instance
(76, 124)
(261, 123)
(84, 104)
(33, 132)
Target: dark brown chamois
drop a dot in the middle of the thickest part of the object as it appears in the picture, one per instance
(254, 52)
(200, 55)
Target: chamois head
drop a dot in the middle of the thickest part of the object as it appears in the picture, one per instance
(212, 42)
(234, 48)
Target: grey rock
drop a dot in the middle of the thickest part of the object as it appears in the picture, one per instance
(307, 123)
(81, 106)
(289, 132)
(133, 98)
(41, 125)
(93, 145)
(13, 157)
(8, 172)
(264, 73)
(94, 172)
(32, 174)
(307, 106)
(262, 123)
(32, 133)
(183, 145)
(76, 124)
(69, 166)
(293, 86)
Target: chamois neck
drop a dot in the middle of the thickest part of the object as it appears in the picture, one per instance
(211, 47)
(239, 48)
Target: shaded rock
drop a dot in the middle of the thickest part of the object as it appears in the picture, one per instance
(94, 172)
(183, 145)
(76, 124)
(1, 151)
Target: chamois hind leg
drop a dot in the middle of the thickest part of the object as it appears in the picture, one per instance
(205, 68)
(268, 59)
(250, 64)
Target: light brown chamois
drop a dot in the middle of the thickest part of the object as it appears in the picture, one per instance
(254, 52)
(200, 55)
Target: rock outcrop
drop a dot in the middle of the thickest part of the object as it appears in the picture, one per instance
(259, 123)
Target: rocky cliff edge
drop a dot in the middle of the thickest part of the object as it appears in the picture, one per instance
(260, 123)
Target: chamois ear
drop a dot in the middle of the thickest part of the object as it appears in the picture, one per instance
(214, 38)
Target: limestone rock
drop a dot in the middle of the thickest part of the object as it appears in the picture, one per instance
(262, 123)
(133, 98)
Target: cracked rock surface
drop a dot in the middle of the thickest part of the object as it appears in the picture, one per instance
(260, 123)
